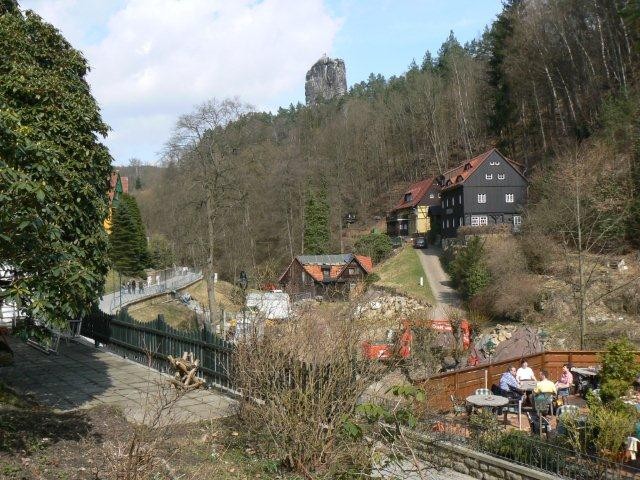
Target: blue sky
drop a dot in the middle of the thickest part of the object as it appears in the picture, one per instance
(153, 60)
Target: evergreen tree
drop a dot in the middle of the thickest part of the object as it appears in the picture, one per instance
(316, 222)
(504, 110)
(53, 172)
(138, 184)
(128, 250)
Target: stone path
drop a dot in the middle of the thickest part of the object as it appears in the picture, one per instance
(82, 376)
(445, 295)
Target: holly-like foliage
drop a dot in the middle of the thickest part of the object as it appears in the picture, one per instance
(53, 172)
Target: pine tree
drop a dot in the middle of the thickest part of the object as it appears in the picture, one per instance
(138, 184)
(128, 250)
(316, 225)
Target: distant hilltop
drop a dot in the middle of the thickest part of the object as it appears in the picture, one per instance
(326, 79)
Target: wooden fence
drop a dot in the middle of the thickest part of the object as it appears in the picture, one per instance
(464, 382)
(151, 343)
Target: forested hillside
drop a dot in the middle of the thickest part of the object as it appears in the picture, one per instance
(552, 83)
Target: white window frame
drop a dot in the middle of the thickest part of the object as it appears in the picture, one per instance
(488, 176)
(493, 164)
(509, 197)
(501, 176)
(460, 199)
(461, 221)
(431, 195)
(517, 220)
(479, 220)
(482, 198)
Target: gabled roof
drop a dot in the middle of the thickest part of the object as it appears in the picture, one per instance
(417, 191)
(312, 264)
(462, 172)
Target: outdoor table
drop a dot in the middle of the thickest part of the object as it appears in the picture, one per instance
(487, 401)
(585, 371)
(528, 385)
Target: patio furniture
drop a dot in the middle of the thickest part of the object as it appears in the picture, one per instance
(536, 421)
(528, 385)
(487, 401)
(543, 402)
(459, 407)
(483, 391)
(514, 406)
(567, 409)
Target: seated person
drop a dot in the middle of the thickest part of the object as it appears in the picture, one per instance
(545, 385)
(509, 385)
(525, 372)
(564, 382)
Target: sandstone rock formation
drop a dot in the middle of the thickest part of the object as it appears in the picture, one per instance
(326, 79)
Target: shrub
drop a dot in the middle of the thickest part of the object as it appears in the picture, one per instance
(375, 245)
(468, 270)
(619, 369)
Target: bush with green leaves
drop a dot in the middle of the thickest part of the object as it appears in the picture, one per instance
(375, 245)
(53, 171)
(619, 369)
(468, 270)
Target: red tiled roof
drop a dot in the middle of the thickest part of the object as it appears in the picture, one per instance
(316, 271)
(337, 264)
(458, 174)
(417, 191)
(366, 263)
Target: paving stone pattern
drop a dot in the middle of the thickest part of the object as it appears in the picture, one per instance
(82, 376)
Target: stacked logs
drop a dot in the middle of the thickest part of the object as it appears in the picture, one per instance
(185, 369)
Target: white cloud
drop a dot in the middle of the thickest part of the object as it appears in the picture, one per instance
(152, 60)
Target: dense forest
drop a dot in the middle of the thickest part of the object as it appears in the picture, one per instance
(552, 83)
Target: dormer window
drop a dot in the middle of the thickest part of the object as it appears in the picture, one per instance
(408, 197)
(459, 178)
(467, 166)
(431, 195)
(501, 176)
(488, 176)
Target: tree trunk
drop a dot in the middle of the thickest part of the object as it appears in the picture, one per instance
(211, 292)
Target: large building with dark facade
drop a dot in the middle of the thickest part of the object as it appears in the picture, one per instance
(489, 189)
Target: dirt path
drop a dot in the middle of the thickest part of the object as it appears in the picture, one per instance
(445, 295)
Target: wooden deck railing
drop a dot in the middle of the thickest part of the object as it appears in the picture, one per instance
(464, 382)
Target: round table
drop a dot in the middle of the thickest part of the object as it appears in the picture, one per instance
(488, 401)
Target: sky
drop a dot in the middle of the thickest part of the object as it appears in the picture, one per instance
(154, 60)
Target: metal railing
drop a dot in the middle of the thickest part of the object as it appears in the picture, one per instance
(531, 452)
(158, 282)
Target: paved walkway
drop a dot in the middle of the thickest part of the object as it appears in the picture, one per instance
(113, 301)
(445, 295)
(82, 376)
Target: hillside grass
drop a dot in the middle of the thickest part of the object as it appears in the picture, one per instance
(224, 295)
(175, 313)
(402, 273)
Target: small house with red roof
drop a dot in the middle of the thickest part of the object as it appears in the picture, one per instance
(329, 276)
(489, 189)
(417, 212)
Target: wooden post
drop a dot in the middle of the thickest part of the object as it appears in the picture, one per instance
(486, 374)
